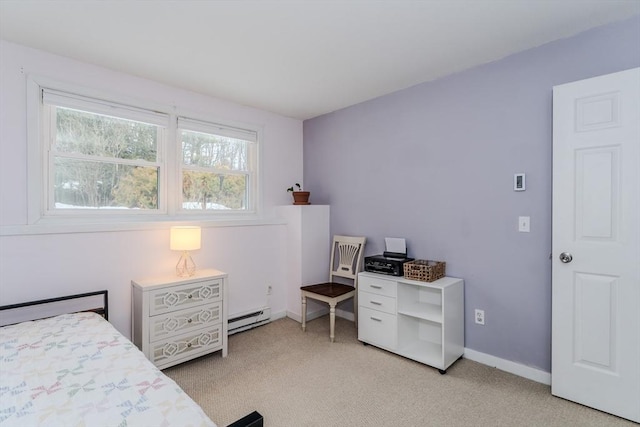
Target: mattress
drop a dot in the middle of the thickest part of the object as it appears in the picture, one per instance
(78, 370)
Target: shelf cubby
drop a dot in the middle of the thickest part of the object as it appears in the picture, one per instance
(425, 324)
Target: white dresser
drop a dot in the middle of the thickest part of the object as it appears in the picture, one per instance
(419, 320)
(175, 319)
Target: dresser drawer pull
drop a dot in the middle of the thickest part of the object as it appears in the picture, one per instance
(189, 345)
(376, 302)
(377, 319)
(190, 320)
(376, 286)
(190, 296)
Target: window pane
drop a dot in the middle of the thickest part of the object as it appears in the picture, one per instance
(98, 135)
(213, 151)
(207, 191)
(83, 184)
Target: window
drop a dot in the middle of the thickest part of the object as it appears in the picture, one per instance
(101, 158)
(217, 165)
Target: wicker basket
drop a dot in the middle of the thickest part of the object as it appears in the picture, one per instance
(424, 270)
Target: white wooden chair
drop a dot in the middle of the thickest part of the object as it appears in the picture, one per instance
(345, 263)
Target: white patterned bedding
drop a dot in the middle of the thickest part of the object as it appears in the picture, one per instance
(78, 370)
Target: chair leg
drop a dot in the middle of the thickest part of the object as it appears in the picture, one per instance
(332, 322)
(355, 309)
(304, 313)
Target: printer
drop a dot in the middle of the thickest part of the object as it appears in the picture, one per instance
(392, 260)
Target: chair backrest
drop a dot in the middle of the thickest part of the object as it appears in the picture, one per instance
(346, 257)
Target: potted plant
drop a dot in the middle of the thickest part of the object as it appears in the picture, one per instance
(299, 197)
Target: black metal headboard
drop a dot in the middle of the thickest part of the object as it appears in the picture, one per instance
(102, 309)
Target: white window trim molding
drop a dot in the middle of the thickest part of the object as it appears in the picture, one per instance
(38, 223)
(252, 134)
(43, 229)
(35, 161)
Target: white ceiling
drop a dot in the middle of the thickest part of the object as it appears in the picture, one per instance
(298, 58)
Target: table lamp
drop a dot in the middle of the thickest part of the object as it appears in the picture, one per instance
(185, 239)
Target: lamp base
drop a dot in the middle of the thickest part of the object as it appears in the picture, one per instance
(185, 266)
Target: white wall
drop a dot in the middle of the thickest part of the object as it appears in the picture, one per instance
(34, 266)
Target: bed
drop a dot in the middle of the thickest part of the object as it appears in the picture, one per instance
(76, 369)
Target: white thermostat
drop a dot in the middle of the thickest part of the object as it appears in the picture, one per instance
(519, 182)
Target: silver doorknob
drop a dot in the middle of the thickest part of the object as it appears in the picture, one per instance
(566, 257)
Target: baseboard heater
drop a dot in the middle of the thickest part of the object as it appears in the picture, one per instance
(250, 319)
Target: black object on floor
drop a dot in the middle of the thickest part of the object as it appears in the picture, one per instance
(254, 419)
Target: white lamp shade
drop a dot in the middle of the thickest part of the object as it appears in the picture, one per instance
(185, 238)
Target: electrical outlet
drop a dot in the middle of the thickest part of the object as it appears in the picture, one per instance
(269, 289)
(480, 317)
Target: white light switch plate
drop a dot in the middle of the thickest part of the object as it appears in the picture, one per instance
(524, 224)
(519, 183)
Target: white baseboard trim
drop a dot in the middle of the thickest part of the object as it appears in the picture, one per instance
(319, 313)
(294, 316)
(278, 315)
(528, 372)
(524, 371)
(310, 315)
(345, 314)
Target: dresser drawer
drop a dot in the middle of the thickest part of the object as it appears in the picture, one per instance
(377, 302)
(182, 321)
(377, 328)
(184, 296)
(376, 285)
(186, 346)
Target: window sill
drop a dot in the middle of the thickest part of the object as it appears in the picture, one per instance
(149, 224)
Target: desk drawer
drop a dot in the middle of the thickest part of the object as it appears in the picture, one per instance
(377, 302)
(376, 285)
(377, 328)
(184, 296)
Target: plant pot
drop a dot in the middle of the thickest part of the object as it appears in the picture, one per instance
(301, 197)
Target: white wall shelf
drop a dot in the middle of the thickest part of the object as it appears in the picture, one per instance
(308, 245)
(422, 311)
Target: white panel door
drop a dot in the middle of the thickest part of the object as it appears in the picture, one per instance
(596, 243)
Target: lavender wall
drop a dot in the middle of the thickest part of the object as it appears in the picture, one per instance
(434, 163)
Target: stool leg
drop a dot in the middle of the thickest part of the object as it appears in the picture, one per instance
(304, 313)
(332, 322)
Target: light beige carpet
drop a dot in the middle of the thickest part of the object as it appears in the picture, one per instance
(297, 379)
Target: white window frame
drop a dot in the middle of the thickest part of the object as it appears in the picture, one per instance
(53, 99)
(39, 177)
(249, 136)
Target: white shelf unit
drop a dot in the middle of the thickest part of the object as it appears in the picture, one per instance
(423, 321)
(308, 245)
